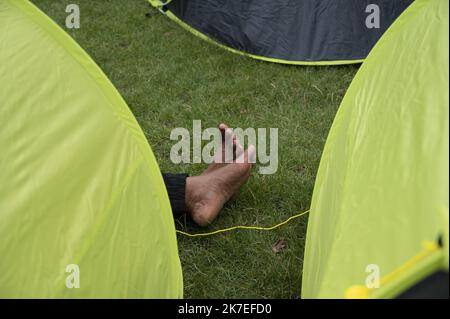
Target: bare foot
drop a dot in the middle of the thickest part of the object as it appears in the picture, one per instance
(207, 193)
(220, 159)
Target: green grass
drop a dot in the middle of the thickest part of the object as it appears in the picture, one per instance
(169, 78)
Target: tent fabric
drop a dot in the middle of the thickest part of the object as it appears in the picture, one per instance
(79, 184)
(382, 188)
(293, 32)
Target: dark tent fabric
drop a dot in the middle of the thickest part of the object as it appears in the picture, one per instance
(285, 31)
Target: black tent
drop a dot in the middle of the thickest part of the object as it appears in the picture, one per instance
(289, 31)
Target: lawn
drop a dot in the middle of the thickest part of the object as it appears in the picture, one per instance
(169, 78)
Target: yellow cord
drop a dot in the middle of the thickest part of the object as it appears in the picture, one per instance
(363, 292)
(243, 227)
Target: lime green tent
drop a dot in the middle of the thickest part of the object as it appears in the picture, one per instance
(380, 201)
(82, 200)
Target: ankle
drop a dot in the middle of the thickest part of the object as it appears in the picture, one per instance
(191, 186)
